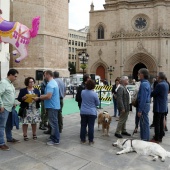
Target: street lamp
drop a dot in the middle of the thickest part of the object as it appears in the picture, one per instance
(110, 70)
(83, 56)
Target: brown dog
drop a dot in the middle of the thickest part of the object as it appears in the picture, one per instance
(104, 119)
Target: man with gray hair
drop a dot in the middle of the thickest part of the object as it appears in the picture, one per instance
(62, 91)
(123, 98)
(144, 103)
(160, 94)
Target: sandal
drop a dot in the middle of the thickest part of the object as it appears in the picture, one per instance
(34, 137)
(135, 131)
(26, 138)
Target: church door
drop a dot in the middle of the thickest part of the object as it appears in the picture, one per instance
(136, 69)
(101, 72)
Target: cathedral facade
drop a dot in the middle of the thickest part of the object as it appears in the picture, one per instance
(49, 50)
(129, 35)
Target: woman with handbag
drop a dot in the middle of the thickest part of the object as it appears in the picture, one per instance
(29, 109)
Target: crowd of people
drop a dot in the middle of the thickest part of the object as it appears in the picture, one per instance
(141, 100)
(51, 100)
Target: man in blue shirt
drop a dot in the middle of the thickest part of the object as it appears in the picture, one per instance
(144, 103)
(160, 94)
(52, 104)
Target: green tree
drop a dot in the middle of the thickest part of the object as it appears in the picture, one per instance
(71, 68)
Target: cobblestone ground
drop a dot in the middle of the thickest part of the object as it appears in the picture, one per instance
(71, 155)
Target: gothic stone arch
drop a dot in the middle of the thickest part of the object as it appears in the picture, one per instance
(96, 65)
(143, 58)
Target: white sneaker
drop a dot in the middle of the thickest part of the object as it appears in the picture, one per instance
(51, 143)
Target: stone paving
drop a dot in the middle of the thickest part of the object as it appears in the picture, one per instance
(71, 155)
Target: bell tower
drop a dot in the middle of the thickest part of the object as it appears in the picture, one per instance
(49, 50)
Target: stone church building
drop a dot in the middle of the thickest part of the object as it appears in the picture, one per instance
(49, 50)
(129, 35)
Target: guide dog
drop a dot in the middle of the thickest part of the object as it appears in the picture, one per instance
(104, 119)
(142, 147)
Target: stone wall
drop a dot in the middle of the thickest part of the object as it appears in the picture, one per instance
(49, 50)
(123, 46)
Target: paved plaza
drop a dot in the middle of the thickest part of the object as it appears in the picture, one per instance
(71, 155)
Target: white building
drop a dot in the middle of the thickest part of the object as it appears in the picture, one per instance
(4, 48)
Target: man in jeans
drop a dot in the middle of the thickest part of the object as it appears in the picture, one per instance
(7, 101)
(160, 94)
(143, 99)
(52, 104)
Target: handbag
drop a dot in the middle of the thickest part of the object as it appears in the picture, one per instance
(22, 112)
(135, 103)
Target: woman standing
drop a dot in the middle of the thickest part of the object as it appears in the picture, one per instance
(114, 91)
(88, 112)
(32, 109)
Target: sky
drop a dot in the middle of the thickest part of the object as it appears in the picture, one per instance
(79, 12)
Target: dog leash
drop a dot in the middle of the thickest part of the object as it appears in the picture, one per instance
(126, 141)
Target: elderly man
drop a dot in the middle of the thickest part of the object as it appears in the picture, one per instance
(144, 103)
(160, 94)
(62, 91)
(123, 98)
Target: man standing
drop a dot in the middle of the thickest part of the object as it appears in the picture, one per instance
(52, 105)
(7, 101)
(144, 103)
(44, 118)
(123, 98)
(62, 91)
(86, 77)
(160, 95)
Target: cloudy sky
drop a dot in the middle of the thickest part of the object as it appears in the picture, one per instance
(79, 12)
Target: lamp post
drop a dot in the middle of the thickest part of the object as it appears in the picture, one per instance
(110, 70)
(83, 56)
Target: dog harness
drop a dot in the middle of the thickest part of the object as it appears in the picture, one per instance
(127, 140)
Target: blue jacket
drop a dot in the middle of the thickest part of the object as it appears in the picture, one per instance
(160, 95)
(13, 119)
(143, 95)
(89, 102)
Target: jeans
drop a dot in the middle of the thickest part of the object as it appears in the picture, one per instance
(53, 120)
(144, 123)
(3, 120)
(87, 120)
(8, 130)
(115, 107)
(159, 125)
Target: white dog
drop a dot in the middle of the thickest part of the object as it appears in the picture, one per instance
(142, 147)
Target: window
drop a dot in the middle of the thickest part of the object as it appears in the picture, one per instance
(84, 44)
(75, 43)
(73, 57)
(73, 50)
(69, 56)
(81, 44)
(100, 32)
(69, 42)
(69, 49)
(72, 42)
